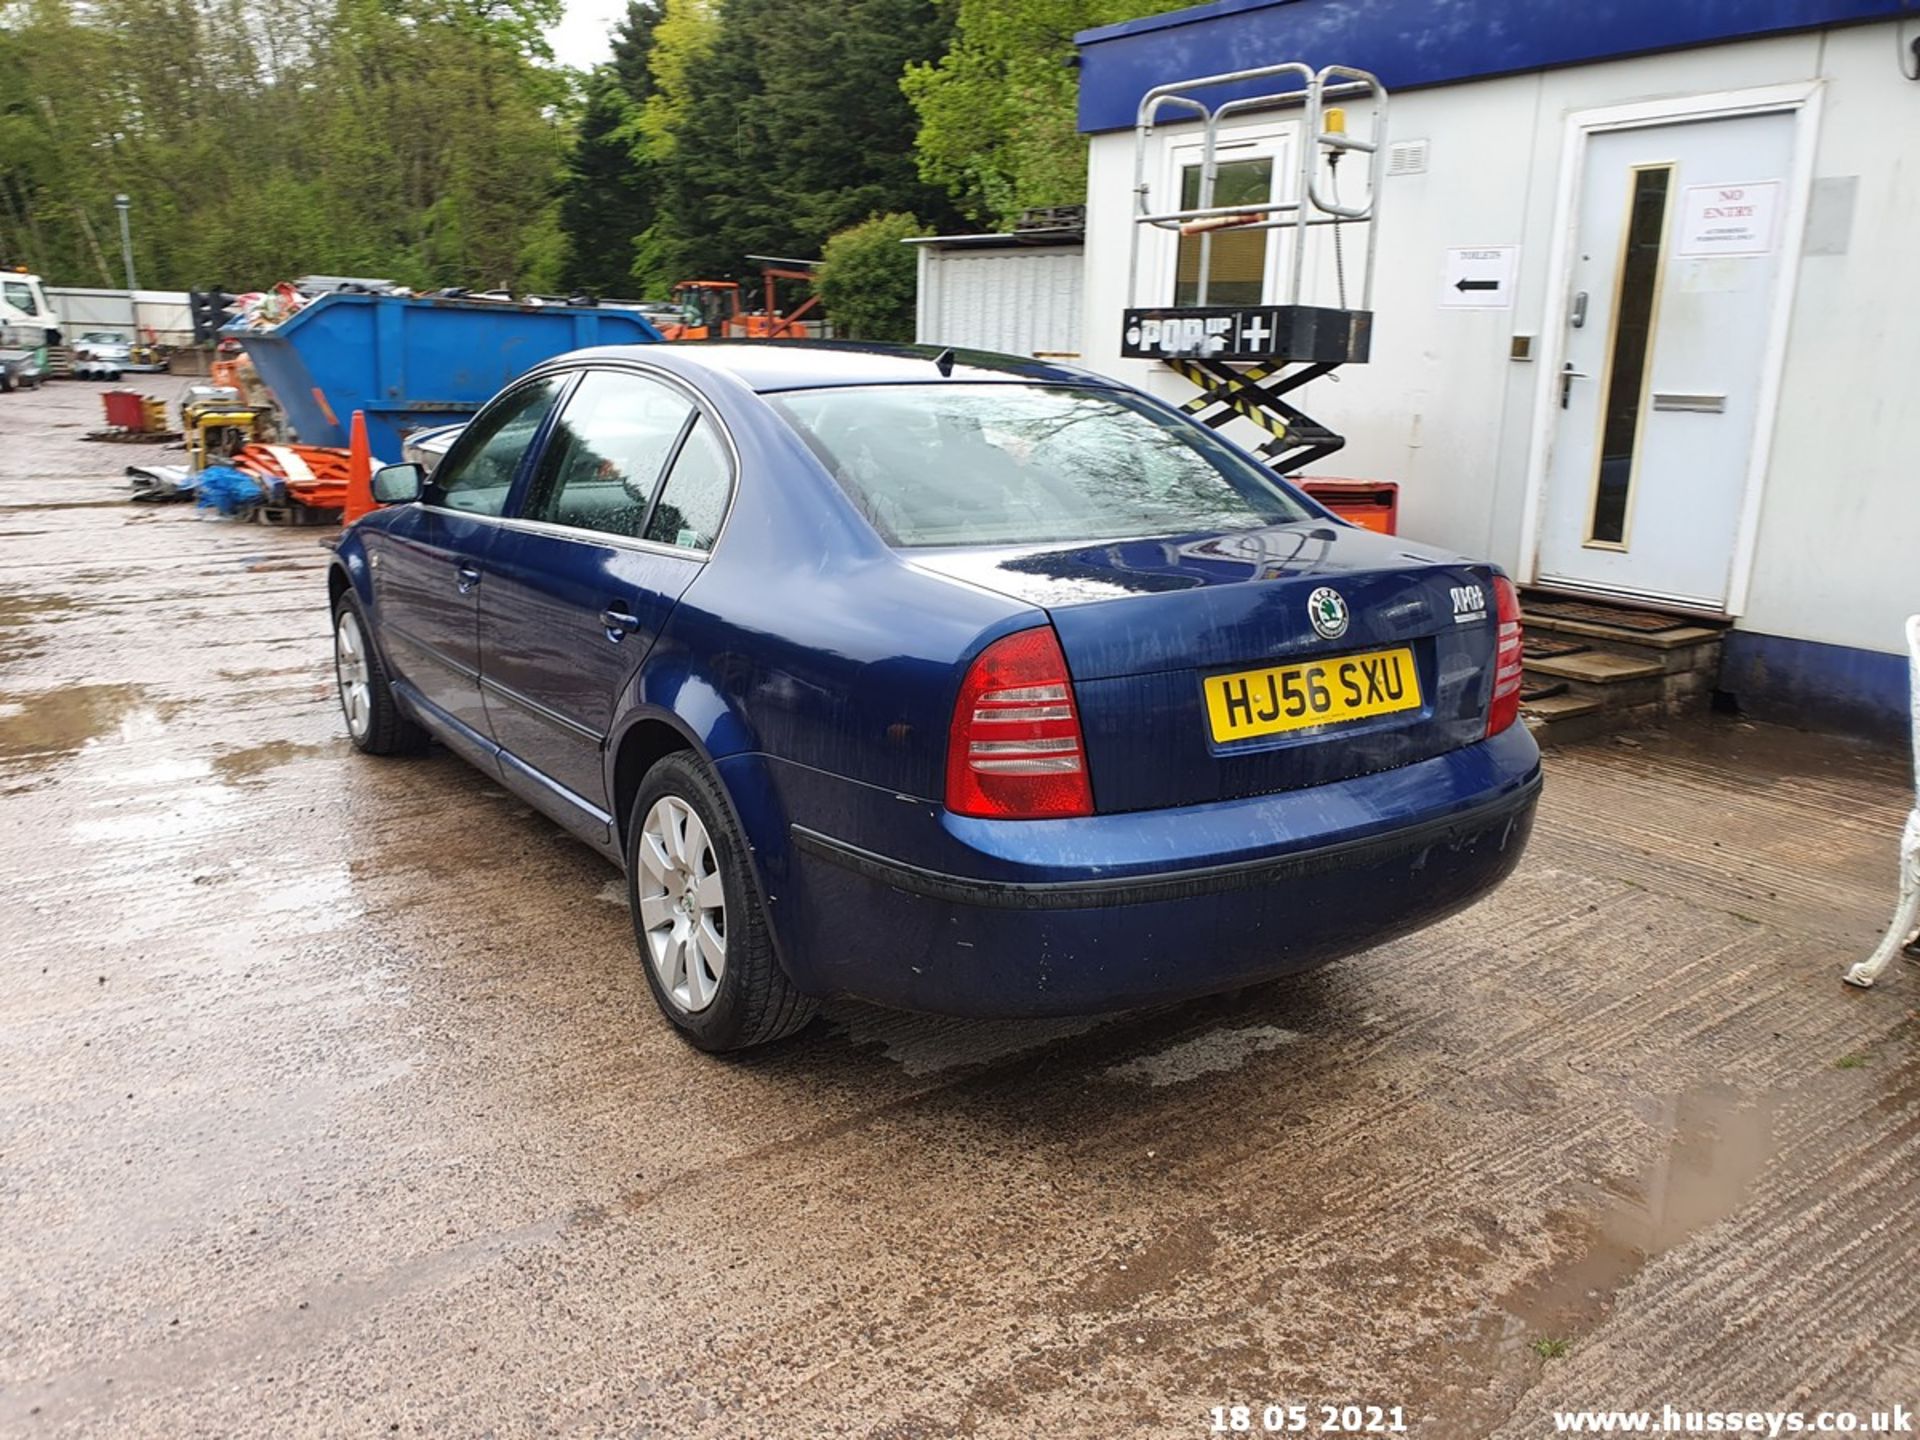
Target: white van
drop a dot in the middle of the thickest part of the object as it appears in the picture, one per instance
(23, 303)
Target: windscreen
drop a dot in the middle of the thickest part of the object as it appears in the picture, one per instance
(1028, 464)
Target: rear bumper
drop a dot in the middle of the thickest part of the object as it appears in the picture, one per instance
(1076, 917)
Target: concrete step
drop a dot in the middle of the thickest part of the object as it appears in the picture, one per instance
(1596, 667)
(1684, 638)
(1565, 719)
(1615, 676)
(1538, 646)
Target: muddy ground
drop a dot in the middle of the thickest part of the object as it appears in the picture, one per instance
(332, 1101)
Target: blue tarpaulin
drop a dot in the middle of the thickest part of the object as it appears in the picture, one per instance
(228, 490)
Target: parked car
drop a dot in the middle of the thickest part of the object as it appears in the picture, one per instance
(428, 447)
(971, 685)
(104, 355)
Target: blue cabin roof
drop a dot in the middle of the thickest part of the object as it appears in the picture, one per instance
(1411, 43)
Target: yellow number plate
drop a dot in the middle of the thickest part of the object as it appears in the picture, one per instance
(1318, 692)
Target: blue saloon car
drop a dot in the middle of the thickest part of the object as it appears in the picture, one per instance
(961, 683)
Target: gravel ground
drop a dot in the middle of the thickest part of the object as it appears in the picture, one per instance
(332, 1101)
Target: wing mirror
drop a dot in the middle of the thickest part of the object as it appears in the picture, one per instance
(398, 484)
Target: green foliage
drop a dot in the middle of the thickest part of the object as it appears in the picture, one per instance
(434, 142)
(261, 139)
(633, 47)
(785, 133)
(604, 199)
(997, 111)
(867, 279)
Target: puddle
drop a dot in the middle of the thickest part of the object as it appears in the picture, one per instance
(930, 1044)
(258, 759)
(58, 722)
(1715, 1143)
(1214, 1053)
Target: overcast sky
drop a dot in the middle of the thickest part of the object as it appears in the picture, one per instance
(581, 36)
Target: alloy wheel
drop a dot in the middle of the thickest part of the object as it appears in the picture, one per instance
(683, 904)
(355, 676)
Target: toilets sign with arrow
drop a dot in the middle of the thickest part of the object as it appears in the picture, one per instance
(1479, 278)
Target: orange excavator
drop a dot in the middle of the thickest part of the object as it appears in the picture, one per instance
(712, 309)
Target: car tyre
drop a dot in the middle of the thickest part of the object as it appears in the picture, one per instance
(375, 723)
(693, 901)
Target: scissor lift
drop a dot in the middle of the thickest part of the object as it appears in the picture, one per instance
(1247, 359)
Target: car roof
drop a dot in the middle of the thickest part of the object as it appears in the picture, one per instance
(771, 365)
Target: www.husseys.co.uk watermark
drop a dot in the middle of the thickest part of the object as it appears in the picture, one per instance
(1672, 1420)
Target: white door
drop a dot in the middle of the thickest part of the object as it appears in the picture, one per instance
(1675, 255)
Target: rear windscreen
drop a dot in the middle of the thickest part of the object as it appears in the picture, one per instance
(1028, 464)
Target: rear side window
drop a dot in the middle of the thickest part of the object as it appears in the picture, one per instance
(605, 458)
(695, 500)
(476, 476)
(1028, 464)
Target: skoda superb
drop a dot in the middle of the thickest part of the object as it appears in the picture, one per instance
(963, 684)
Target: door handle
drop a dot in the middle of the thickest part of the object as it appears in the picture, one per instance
(618, 623)
(466, 577)
(1567, 376)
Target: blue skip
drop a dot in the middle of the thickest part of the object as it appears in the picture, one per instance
(411, 363)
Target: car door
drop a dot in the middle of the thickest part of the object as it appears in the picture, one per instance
(628, 498)
(428, 564)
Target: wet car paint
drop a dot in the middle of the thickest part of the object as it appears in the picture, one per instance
(816, 669)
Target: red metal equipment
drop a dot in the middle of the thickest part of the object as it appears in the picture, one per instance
(1370, 504)
(715, 310)
(125, 410)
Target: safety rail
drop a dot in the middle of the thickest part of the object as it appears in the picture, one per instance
(1239, 356)
(1306, 207)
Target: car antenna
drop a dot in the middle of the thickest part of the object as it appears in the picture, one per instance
(943, 362)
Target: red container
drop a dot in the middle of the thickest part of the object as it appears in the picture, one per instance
(1370, 504)
(124, 411)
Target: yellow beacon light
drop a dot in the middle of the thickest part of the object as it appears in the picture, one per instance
(1336, 121)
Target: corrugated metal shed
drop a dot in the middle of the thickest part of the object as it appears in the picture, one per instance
(1018, 294)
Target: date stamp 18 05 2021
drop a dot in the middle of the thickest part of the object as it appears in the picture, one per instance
(1276, 1418)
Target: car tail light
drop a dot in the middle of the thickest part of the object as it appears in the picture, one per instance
(1015, 751)
(1507, 663)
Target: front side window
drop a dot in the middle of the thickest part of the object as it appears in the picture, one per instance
(1029, 465)
(604, 461)
(476, 477)
(19, 295)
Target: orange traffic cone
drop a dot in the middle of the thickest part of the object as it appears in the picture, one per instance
(359, 471)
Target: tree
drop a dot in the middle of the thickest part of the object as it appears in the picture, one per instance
(679, 65)
(633, 48)
(788, 136)
(867, 278)
(606, 194)
(997, 112)
(260, 139)
(604, 199)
